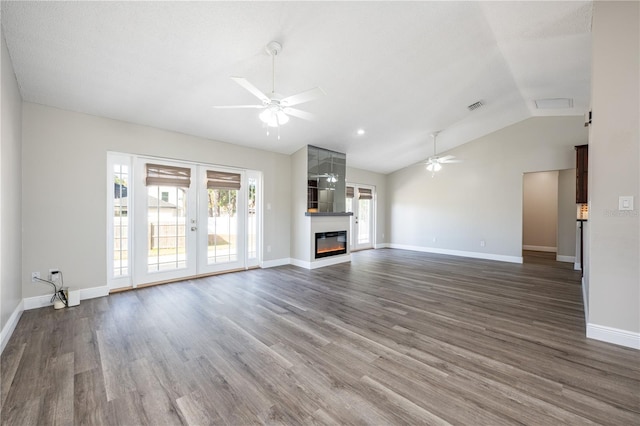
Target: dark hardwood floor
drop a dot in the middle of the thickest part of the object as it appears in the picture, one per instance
(394, 337)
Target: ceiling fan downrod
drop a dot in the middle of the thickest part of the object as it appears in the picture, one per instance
(273, 48)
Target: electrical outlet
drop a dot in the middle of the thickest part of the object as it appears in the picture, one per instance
(35, 275)
(482, 243)
(54, 274)
(435, 240)
(268, 249)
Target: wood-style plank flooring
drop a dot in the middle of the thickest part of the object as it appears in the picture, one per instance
(394, 337)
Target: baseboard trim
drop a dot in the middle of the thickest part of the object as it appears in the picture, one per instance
(333, 260)
(381, 246)
(94, 292)
(568, 259)
(540, 248)
(275, 262)
(461, 253)
(577, 266)
(10, 326)
(585, 302)
(45, 300)
(616, 336)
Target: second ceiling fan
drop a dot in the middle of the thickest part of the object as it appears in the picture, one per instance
(277, 108)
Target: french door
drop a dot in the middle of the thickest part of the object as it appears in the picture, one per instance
(165, 221)
(182, 220)
(360, 201)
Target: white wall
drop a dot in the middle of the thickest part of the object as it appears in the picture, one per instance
(11, 194)
(566, 215)
(540, 211)
(365, 177)
(64, 198)
(614, 164)
(300, 224)
(480, 198)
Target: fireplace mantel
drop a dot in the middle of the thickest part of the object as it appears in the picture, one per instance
(328, 214)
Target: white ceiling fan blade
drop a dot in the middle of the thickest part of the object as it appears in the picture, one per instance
(237, 106)
(251, 88)
(298, 113)
(451, 161)
(303, 97)
(446, 158)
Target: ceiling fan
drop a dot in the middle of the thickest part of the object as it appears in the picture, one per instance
(331, 177)
(434, 163)
(276, 108)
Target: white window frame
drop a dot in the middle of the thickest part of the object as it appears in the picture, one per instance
(253, 263)
(114, 282)
(131, 160)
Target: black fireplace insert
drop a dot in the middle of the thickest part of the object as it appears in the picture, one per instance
(331, 243)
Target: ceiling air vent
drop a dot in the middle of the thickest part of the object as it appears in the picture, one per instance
(474, 106)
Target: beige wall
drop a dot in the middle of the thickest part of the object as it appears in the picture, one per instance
(64, 198)
(614, 164)
(540, 211)
(480, 199)
(566, 215)
(11, 194)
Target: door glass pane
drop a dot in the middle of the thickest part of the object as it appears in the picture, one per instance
(166, 228)
(252, 224)
(222, 226)
(364, 221)
(120, 220)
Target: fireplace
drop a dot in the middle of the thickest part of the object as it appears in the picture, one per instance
(331, 243)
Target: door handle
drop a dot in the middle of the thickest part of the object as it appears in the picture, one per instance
(193, 228)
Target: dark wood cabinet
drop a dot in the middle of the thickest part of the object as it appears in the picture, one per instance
(582, 171)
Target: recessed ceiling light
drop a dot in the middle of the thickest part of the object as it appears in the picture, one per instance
(360, 132)
(554, 103)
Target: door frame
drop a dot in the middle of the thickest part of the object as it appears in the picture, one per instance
(137, 223)
(354, 219)
(141, 273)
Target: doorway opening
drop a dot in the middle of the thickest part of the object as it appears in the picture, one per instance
(548, 217)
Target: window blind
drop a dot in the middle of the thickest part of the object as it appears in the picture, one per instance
(168, 175)
(365, 194)
(350, 191)
(222, 180)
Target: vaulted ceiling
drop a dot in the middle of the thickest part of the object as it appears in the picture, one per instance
(398, 70)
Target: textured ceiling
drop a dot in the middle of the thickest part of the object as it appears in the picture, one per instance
(399, 70)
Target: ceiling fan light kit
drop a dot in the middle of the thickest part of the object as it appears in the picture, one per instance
(434, 163)
(276, 108)
(273, 117)
(434, 167)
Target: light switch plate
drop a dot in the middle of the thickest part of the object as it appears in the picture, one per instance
(625, 202)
